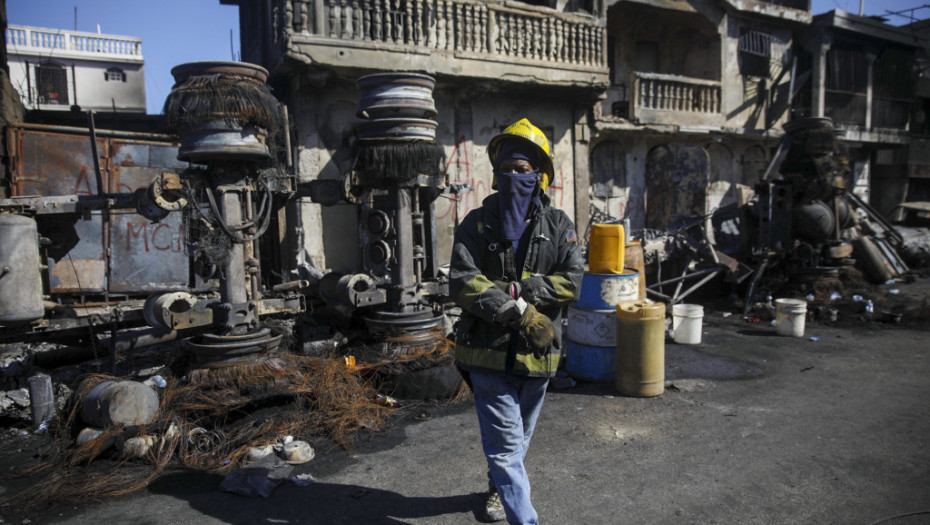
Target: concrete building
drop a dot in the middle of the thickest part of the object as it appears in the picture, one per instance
(658, 111)
(55, 69)
(699, 91)
(865, 77)
(494, 62)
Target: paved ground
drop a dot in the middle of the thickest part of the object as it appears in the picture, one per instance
(752, 428)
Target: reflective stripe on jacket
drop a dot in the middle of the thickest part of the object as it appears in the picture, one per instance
(550, 279)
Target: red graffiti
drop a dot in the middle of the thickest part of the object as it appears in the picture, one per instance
(142, 231)
(85, 178)
(555, 188)
(160, 237)
(463, 203)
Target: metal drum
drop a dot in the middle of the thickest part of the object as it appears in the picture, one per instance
(591, 327)
(387, 95)
(397, 129)
(20, 280)
(590, 363)
(590, 353)
(222, 111)
(606, 291)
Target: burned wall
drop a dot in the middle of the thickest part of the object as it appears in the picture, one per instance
(324, 119)
(651, 178)
(756, 77)
(650, 40)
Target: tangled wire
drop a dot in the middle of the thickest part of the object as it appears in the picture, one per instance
(209, 421)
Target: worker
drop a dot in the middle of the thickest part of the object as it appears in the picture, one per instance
(515, 265)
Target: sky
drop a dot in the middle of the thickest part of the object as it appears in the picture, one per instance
(172, 31)
(875, 7)
(178, 31)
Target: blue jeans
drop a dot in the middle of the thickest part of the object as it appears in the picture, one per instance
(507, 409)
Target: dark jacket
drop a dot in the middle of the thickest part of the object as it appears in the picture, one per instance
(550, 279)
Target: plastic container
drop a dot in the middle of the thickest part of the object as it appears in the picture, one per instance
(640, 358)
(605, 291)
(789, 317)
(605, 249)
(687, 320)
(635, 259)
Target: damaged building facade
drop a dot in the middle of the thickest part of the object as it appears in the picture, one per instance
(657, 111)
(494, 63)
(661, 113)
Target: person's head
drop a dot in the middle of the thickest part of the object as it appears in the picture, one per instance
(521, 148)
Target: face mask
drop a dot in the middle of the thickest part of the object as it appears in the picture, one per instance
(516, 193)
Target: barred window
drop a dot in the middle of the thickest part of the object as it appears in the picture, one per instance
(114, 74)
(755, 53)
(52, 84)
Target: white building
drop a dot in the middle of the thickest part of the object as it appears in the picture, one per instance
(54, 69)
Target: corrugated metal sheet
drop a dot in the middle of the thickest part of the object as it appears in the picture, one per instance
(116, 250)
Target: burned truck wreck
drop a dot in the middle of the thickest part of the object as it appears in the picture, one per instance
(243, 349)
(803, 232)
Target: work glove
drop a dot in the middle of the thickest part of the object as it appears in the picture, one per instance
(538, 330)
(512, 289)
(510, 313)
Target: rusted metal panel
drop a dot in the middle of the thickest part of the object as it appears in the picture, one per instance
(55, 164)
(112, 250)
(145, 256)
(126, 152)
(79, 268)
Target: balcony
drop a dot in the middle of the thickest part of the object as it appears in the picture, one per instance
(57, 43)
(507, 40)
(675, 100)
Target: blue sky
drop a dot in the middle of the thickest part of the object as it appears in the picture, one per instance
(177, 31)
(875, 7)
(172, 31)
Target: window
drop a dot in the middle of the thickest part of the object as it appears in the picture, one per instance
(755, 53)
(114, 74)
(51, 84)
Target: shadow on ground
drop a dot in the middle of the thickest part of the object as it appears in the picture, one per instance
(316, 503)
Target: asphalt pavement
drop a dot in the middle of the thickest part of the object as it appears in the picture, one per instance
(753, 428)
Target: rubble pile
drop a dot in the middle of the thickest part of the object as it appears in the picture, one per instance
(215, 426)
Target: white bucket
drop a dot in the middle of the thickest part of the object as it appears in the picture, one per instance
(686, 323)
(789, 317)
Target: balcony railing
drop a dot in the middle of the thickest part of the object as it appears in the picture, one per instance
(57, 43)
(504, 31)
(654, 94)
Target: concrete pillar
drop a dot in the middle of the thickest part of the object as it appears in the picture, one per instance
(582, 178)
(819, 79)
(869, 91)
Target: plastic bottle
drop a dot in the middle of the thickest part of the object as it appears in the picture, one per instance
(386, 401)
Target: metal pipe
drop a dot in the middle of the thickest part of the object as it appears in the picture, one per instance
(402, 272)
(232, 285)
(140, 339)
(251, 251)
(689, 276)
(102, 132)
(293, 285)
(696, 286)
(41, 398)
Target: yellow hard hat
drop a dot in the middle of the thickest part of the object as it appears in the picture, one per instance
(525, 131)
